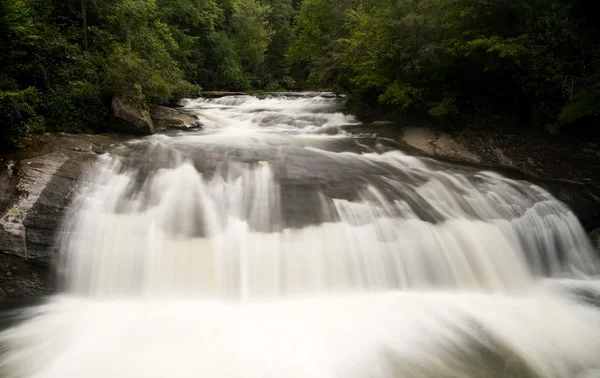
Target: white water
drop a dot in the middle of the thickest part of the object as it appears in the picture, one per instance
(272, 244)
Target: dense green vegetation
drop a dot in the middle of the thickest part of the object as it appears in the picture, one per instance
(486, 63)
(64, 60)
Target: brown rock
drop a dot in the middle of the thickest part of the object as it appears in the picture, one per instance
(131, 116)
(165, 118)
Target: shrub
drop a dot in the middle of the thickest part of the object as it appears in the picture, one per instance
(18, 117)
(77, 107)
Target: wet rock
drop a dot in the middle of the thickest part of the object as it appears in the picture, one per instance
(38, 184)
(595, 238)
(566, 166)
(131, 116)
(165, 118)
(298, 94)
(216, 94)
(438, 144)
(582, 199)
(386, 129)
(23, 278)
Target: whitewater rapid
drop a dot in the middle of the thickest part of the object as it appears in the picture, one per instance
(274, 244)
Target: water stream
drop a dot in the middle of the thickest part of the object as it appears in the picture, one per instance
(273, 244)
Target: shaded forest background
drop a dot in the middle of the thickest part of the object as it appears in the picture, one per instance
(458, 63)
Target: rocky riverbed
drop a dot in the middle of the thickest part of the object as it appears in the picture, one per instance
(38, 184)
(567, 166)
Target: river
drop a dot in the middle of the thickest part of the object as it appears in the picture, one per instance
(271, 243)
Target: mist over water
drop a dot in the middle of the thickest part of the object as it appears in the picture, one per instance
(273, 244)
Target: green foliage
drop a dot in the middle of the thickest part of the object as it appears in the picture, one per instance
(252, 33)
(483, 62)
(583, 103)
(142, 52)
(471, 62)
(76, 106)
(445, 107)
(312, 54)
(18, 117)
(276, 71)
(221, 69)
(79, 54)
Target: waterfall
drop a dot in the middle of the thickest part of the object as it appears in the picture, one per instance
(273, 244)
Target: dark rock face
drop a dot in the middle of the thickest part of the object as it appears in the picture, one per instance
(36, 192)
(595, 238)
(131, 117)
(165, 118)
(582, 199)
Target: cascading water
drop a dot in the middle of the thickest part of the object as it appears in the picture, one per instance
(272, 244)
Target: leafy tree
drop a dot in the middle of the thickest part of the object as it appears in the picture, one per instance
(319, 25)
(252, 32)
(276, 69)
(17, 117)
(486, 63)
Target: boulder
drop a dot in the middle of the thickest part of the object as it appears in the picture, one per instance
(36, 188)
(165, 118)
(131, 116)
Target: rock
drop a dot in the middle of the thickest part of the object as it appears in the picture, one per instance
(378, 127)
(568, 167)
(165, 118)
(131, 116)
(582, 199)
(438, 144)
(532, 153)
(36, 188)
(262, 95)
(298, 94)
(595, 238)
(216, 94)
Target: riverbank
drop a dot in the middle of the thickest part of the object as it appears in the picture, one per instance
(567, 166)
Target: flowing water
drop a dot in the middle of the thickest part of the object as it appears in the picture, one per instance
(273, 244)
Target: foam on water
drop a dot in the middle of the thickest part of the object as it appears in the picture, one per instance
(182, 234)
(379, 335)
(268, 246)
(310, 114)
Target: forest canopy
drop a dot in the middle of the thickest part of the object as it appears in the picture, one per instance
(475, 63)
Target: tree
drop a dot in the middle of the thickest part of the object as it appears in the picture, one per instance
(460, 62)
(252, 32)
